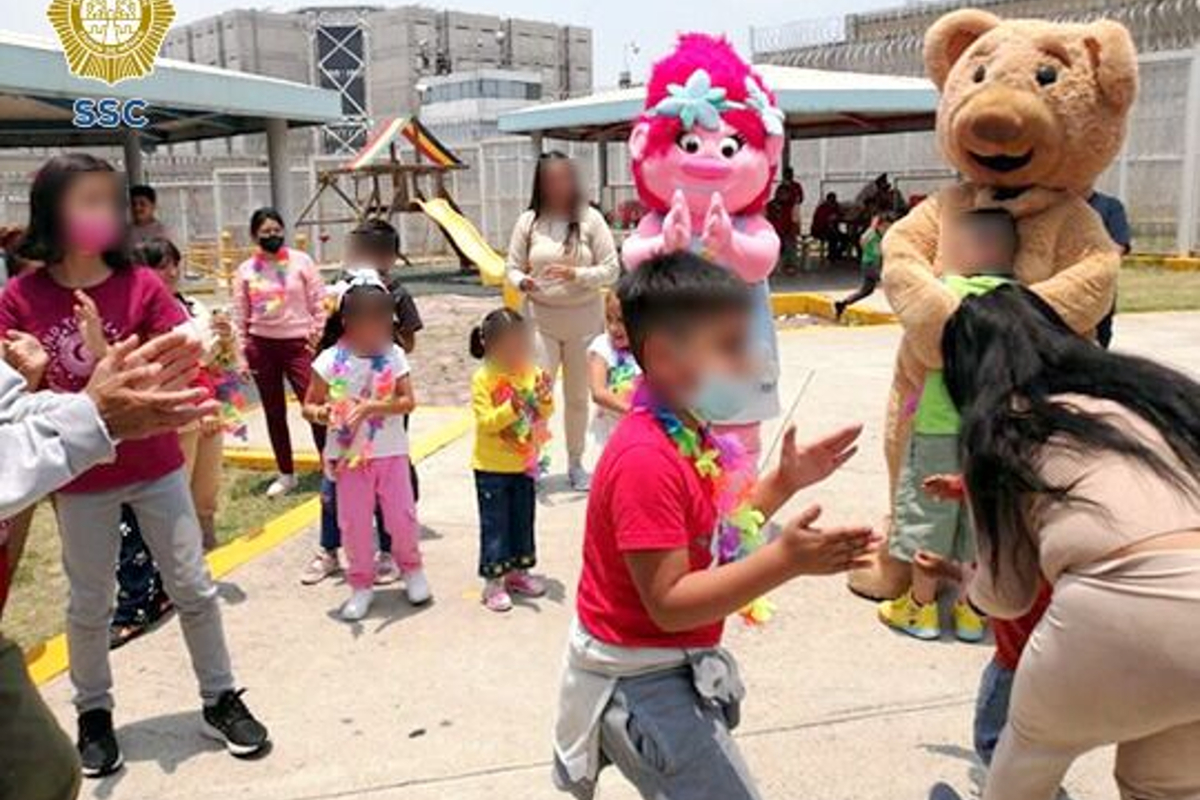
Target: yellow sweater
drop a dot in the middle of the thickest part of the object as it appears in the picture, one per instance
(496, 449)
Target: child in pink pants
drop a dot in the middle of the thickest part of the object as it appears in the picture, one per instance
(361, 389)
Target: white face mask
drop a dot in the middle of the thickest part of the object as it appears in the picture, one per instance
(721, 396)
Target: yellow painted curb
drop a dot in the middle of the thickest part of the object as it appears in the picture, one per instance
(818, 305)
(48, 659)
(263, 460)
(1172, 263)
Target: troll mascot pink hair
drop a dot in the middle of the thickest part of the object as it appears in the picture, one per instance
(704, 155)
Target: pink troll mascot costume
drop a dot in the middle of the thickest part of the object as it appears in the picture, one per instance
(704, 155)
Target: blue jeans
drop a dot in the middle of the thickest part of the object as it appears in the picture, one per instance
(991, 708)
(331, 534)
(506, 516)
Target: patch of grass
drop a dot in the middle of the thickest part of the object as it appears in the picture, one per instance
(38, 601)
(1142, 289)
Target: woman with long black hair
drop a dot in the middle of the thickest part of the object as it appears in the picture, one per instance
(560, 256)
(1083, 466)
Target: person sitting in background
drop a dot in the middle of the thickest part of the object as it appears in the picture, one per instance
(826, 227)
(143, 211)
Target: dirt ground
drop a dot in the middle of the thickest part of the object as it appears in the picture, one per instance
(441, 365)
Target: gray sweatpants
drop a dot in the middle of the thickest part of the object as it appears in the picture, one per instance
(671, 743)
(89, 525)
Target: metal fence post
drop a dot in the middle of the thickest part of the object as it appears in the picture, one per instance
(1189, 203)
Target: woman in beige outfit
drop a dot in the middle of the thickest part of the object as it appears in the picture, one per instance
(1082, 468)
(560, 257)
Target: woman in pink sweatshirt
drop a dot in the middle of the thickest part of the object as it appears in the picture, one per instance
(280, 311)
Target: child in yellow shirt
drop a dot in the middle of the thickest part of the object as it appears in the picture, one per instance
(513, 400)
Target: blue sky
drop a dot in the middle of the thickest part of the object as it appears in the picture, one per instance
(651, 23)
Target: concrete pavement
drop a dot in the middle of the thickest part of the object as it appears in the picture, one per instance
(453, 702)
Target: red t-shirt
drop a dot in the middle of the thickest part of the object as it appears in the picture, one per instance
(1012, 634)
(131, 301)
(645, 496)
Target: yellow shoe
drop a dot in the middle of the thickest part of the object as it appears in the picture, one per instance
(968, 625)
(905, 614)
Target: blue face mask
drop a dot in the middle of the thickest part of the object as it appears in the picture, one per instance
(721, 396)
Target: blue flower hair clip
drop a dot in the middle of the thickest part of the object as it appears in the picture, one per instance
(696, 102)
(772, 116)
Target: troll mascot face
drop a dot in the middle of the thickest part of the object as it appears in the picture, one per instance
(704, 154)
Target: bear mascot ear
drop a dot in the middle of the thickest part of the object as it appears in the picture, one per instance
(1114, 60)
(949, 37)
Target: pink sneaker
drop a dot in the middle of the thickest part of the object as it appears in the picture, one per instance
(495, 597)
(524, 584)
(386, 571)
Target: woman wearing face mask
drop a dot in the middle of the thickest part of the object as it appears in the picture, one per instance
(560, 256)
(278, 304)
(77, 229)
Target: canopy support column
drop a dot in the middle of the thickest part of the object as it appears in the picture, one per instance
(132, 144)
(602, 174)
(277, 166)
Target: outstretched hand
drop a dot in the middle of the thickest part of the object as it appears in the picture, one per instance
(949, 488)
(804, 464)
(816, 551)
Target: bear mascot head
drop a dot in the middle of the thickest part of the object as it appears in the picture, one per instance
(1031, 113)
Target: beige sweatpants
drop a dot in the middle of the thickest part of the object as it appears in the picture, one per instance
(203, 453)
(1115, 660)
(563, 336)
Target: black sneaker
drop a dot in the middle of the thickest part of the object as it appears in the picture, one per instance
(229, 721)
(99, 753)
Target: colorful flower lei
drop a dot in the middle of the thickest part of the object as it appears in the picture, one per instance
(347, 449)
(268, 282)
(622, 376)
(530, 432)
(227, 386)
(723, 462)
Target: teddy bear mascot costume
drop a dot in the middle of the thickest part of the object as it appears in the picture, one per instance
(704, 154)
(1031, 113)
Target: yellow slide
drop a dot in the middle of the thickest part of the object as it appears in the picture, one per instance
(467, 238)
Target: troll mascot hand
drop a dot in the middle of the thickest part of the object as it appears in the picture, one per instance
(704, 155)
(1031, 112)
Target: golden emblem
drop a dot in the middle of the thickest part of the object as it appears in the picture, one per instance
(111, 40)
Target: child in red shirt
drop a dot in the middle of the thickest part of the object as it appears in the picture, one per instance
(647, 686)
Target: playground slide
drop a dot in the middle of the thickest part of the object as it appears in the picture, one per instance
(466, 238)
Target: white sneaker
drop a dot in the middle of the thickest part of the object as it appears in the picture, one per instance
(280, 486)
(416, 587)
(358, 605)
(579, 478)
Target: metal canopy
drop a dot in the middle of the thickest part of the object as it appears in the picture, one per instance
(817, 103)
(186, 101)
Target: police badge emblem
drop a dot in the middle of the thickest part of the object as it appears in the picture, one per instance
(111, 40)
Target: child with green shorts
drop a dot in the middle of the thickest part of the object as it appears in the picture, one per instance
(981, 248)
